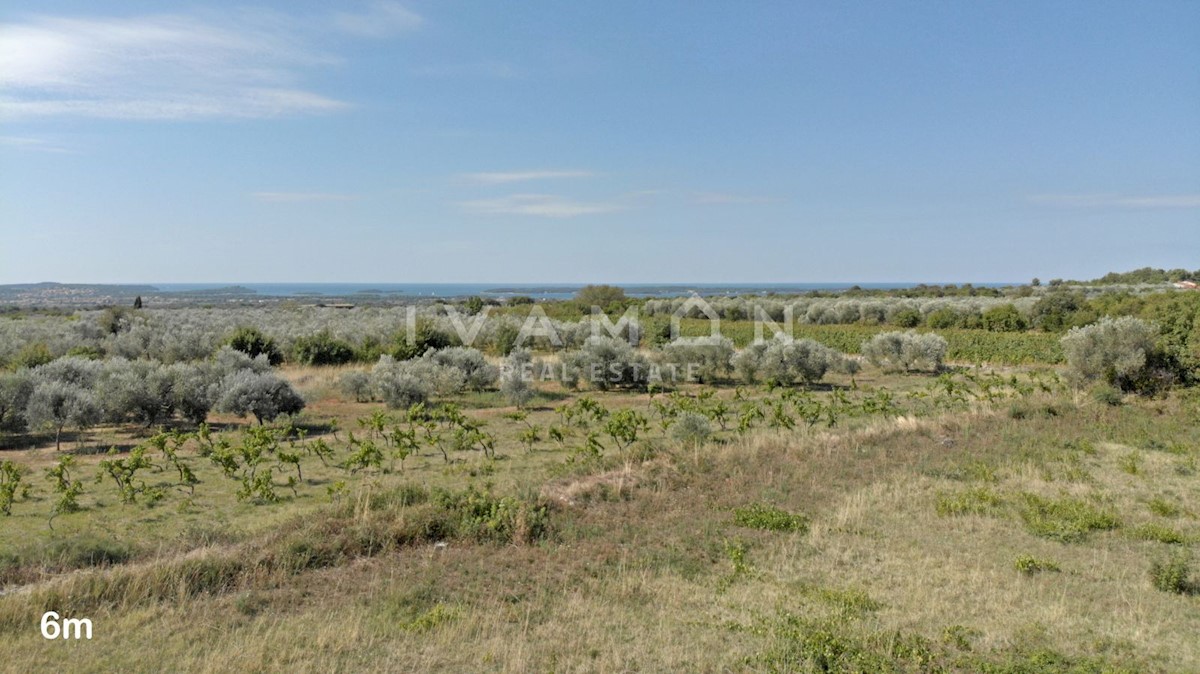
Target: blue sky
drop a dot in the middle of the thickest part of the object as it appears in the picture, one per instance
(597, 141)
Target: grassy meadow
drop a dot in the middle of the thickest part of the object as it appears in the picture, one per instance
(983, 520)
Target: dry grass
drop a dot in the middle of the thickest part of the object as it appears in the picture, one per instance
(638, 572)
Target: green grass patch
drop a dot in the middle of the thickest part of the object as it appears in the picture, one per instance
(1065, 519)
(770, 518)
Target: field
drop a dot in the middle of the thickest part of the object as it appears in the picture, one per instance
(984, 519)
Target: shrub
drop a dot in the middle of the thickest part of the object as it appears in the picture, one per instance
(1160, 534)
(477, 373)
(1065, 519)
(1107, 395)
(602, 296)
(322, 349)
(708, 358)
(261, 394)
(906, 318)
(975, 501)
(906, 351)
(1171, 574)
(15, 389)
(1029, 565)
(514, 377)
(397, 385)
(786, 361)
(1004, 318)
(605, 362)
(1112, 350)
(691, 429)
(357, 385)
(770, 518)
(33, 355)
(253, 343)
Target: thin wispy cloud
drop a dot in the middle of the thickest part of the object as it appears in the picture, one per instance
(1118, 201)
(32, 144)
(505, 177)
(381, 19)
(498, 70)
(539, 205)
(159, 67)
(300, 197)
(727, 198)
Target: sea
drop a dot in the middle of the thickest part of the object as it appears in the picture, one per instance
(541, 291)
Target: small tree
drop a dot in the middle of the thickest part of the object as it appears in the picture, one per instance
(253, 343)
(1113, 350)
(15, 389)
(56, 405)
(906, 351)
(261, 394)
(514, 382)
(322, 349)
(602, 296)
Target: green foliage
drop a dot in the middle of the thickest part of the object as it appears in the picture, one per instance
(252, 342)
(691, 429)
(1172, 574)
(1164, 508)
(974, 501)
(606, 297)
(1113, 350)
(322, 349)
(1029, 565)
(1004, 318)
(1159, 533)
(770, 518)
(1066, 519)
(65, 485)
(32, 355)
(623, 426)
(123, 472)
(11, 488)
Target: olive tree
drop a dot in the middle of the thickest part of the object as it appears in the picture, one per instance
(906, 351)
(709, 358)
(478, 374)
(55, 405)
(399, 384)
(261, 394)
(15, 389)
(196, 389)
(514, 377)
(139, 391)
(605, 362)
(787, 361)
(1114, 350)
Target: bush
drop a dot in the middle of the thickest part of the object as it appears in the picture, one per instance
(1112, 350)
(1066, 519)
(1029, 565)
(514, 377)
(357, 385)
(600, 296)
(322, 349)
(253, 343)
(605, 363)
(477, 373)
(785, 361)
(15, 389)
(708, 358)
(263, 395)
(770, 518)
(1004, 318)
(906, 318)
(906, 351)
(1171, 574)
(1108, 395)
(691, 429)
(396, 383)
